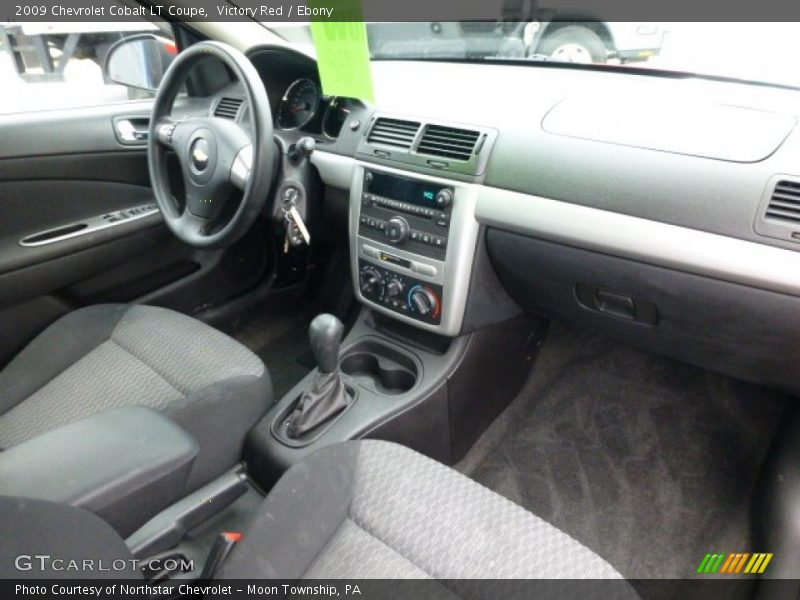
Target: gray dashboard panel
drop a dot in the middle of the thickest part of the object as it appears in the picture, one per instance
(651, 241)
(709, 195)
(691, 126)
(700, 193)
(680, 248)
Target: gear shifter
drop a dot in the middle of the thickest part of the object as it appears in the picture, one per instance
(325, 334)
(327, 397)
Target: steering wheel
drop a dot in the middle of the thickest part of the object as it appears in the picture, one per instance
(218, 157)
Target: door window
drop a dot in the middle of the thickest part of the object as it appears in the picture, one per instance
(45, 66)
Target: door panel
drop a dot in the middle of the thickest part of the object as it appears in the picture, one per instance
(68, 168)
(69, 131)
(35, 206)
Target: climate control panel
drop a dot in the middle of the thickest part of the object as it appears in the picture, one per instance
(400, 293)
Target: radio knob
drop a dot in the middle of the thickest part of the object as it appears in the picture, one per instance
(424, 301)
(444, 199)
(396, 230)
(394, 288)
(369, 281)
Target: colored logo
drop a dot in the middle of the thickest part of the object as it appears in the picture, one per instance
(731, 564)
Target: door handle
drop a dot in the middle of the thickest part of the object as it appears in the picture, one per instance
(132, 130)
(616, 304)
(619, 305)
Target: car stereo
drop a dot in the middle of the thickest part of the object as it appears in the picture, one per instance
(407, 232)
(411, 213)
(403, 189)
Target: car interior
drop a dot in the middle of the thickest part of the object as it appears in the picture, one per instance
(498, 323)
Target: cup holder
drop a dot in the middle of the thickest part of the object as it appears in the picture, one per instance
(380, 367)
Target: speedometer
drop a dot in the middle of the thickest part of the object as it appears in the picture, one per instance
(299, 104)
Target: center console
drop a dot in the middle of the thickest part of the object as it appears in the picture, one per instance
(412, 245)
(413, 364)
(124, 464)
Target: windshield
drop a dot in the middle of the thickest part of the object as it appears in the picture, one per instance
(759, 52)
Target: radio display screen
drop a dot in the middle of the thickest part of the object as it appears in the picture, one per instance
(417, 192)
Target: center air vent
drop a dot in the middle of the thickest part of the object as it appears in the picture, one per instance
(784, 204)
(448, 142)
(228, 108)
(393, 132)
(458, 149)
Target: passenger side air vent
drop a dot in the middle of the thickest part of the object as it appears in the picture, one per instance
(393, 132)
(784, 203)
(228, 108)
(448, 142)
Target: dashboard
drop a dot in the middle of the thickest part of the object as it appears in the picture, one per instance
(664, 212)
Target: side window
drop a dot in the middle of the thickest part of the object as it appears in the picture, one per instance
(46, 66)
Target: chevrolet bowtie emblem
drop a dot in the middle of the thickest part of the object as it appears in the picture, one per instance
(199, 156)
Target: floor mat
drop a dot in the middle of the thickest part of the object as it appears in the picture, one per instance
(281, 340)
(289, 359)
(648, 462)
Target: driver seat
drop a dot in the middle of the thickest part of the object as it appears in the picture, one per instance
(113, 355)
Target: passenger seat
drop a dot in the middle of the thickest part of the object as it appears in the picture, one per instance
(373, 509)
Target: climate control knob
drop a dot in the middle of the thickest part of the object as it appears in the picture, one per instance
(394, 287)
(369, 281)
(423, 301)
(397, 230)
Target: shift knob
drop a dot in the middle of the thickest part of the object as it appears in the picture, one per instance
(325, 333)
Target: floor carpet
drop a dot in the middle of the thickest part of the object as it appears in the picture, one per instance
(280, 339)
(648, 462)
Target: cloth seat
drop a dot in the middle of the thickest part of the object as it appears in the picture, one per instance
(114, 355)
(372, 509)
(369, 510)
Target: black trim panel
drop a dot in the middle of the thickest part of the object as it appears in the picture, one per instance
(740, 331)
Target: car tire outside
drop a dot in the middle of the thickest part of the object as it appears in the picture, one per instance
(574, 43)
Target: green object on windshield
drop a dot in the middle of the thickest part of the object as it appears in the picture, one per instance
(342, 50)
